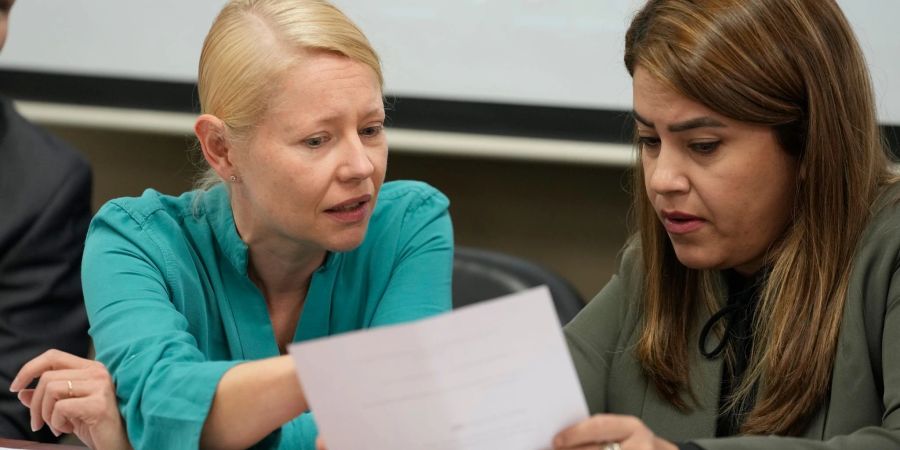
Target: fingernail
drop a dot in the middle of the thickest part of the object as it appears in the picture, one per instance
(34, 427)
(55, 433)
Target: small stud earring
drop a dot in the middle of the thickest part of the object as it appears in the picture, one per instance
(233, 178)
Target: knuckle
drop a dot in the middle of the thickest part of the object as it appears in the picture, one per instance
(633, 422)
(99, 372)
(47, 414)
(109, 394)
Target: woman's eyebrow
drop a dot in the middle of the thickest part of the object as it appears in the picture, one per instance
(699, 122)
(690, 124)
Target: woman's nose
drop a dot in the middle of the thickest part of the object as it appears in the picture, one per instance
(666, 171)
(356, 164)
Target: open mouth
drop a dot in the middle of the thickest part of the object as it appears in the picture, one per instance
(349, 207)
(354, 210)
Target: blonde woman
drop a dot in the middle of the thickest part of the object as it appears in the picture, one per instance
(194, 299)
(758, 305)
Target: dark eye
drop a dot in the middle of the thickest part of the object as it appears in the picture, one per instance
(648, 142)
(371, 131)
(705, 148)
(315, 141)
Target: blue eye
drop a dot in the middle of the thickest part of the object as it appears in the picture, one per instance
(372, 131)
(315, 142)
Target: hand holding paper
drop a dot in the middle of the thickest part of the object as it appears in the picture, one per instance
(492, 375)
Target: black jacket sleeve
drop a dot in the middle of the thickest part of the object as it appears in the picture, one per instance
(45, 194)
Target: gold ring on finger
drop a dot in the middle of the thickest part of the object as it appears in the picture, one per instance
(71, 394)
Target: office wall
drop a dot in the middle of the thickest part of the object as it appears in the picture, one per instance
(570, 218)
(524, 52)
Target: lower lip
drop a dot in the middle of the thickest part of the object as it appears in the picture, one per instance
(682, 226)
(350, 216)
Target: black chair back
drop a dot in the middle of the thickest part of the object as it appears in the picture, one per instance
(483, 274)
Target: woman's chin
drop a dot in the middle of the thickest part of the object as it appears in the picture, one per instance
(346, 243)
(698, 260)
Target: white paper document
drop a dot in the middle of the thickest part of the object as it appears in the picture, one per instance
(494, 375)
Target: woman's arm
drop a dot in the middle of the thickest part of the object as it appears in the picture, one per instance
(420, 241)
(166, 384)
(251, 400)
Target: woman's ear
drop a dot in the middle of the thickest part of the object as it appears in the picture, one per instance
(210, 131)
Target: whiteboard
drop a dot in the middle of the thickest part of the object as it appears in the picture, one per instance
(565, 53)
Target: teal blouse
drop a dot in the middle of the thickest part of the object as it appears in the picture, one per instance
(172, 309)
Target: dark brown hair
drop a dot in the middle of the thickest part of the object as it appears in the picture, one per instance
(793, 65)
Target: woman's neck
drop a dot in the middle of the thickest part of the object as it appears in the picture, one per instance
(279, 274)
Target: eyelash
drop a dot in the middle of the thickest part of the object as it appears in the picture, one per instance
(376, 131)
(702, 148)
(369, 132)
(705, 148)
(320, 139)
(646, 142)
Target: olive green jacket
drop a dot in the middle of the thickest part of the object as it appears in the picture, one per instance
(863, 409)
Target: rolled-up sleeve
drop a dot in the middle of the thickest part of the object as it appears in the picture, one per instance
(164, 383)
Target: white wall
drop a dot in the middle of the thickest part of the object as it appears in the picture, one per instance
(538, 52)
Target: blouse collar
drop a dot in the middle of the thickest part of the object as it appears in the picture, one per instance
(217, 206)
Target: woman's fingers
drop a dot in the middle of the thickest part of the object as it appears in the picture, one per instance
(55, 392)
(47, 361)
(25, 397)
(73, 395)
(598, 429)
(67, 417)
(61, 418)
(603, 429)
(40, 393)
(55, 385)
(92, 417)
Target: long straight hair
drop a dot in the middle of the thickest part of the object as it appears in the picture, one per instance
(793, 65)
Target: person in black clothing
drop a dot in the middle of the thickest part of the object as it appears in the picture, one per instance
(45, 195)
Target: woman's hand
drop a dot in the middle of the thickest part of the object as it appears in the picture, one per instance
(604, 431)
(74, 395)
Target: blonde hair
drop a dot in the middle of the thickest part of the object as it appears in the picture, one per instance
(252, 43)
(793, 65)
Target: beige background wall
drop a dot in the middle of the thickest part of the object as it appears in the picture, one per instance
(570, 218)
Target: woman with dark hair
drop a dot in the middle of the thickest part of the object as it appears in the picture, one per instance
(756, 306)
